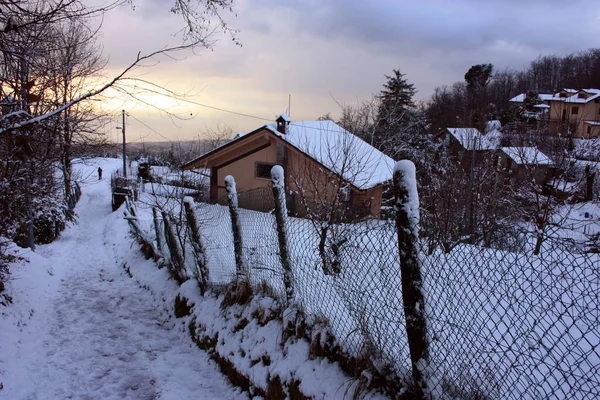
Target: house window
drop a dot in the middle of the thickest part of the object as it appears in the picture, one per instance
(262, 170)
(563, 95)
(589, 129)
(575, 110)
(581, 95)
(597, 101)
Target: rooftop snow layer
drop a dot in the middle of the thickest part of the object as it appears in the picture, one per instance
(527, 155)
(521, 97)
(573, 97)
(340, 151)
(472, 139)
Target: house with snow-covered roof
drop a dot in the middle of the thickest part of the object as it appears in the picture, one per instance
(464, 144)
(576, 112)
(316, 156)
(524, 163)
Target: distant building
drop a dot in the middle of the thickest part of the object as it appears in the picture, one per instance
(576, 112)
(523, 163)
(465, 143)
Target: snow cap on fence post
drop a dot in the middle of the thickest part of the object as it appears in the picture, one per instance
(409, 182)
(278, 179)
(231, 190)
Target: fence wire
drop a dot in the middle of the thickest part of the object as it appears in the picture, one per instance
(501, 324)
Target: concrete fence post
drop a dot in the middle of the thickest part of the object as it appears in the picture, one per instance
(197, 245)
(277, 177)
(242, 272)
(407, 227)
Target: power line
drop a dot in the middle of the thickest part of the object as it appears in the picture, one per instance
(224, 110)
(152, 129)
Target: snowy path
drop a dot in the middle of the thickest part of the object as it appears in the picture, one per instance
(91, 332)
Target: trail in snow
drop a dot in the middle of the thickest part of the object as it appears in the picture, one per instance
(89, 331)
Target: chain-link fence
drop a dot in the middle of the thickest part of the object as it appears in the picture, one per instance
(501, 324)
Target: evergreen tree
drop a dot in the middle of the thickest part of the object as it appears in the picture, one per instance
(396, 97)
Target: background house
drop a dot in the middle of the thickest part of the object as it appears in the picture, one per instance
(576, 110)
(465, 143)
(524, 163)
(323, 163)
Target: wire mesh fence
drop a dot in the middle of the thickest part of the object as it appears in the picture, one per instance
(502, 324)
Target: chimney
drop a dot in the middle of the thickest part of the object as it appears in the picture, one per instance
(283, 121)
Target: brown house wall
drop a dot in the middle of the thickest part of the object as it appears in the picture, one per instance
(587, 112)
(243, 171)
(316, 181)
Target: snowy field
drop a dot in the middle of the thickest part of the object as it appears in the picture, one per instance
(80, 328)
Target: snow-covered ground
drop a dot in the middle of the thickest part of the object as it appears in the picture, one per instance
(80, 328)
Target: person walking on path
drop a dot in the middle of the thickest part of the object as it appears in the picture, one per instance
(99, 173)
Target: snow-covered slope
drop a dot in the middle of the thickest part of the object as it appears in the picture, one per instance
(79, 327)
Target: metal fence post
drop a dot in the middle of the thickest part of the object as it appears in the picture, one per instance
(277, 177)
(232, 201)
(198, 247)
(407, 225)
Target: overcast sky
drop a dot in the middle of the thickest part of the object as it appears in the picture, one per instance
(325, 52)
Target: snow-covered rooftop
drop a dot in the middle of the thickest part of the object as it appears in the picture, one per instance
(492, 125)
(340, 151)
(527, 155)
(520, 98)
(573, 96)
(595, 123)
(285, 117)
(472, 139)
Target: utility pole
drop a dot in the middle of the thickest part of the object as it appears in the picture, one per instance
(124, 148)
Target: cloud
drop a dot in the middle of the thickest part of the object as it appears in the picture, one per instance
(328, 51)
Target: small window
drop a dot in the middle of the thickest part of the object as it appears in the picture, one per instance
(597, 101)
(263, 170)
(582, 95)
(563, 95)
(575, 110)
(589, 130)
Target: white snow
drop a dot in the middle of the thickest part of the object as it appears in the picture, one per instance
(472, 139)
(79, 327)
(231, 190)
(521, 97)
(277, 175)
(573, 96)
(409, 182)
(527, 155)
(340, 151)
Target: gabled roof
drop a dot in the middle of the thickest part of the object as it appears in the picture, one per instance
(340, 151)
(284, 117)
(527, 155)
(472, 139)
(334, 147)
(493, 125)
(573, 95)
(520, 98)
